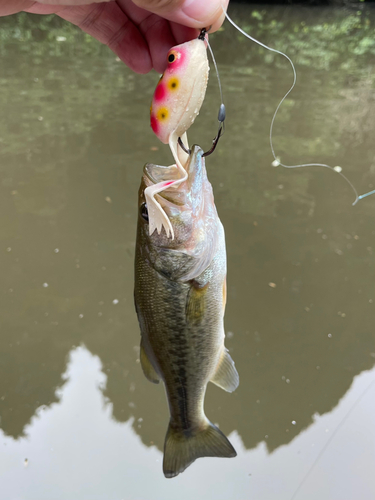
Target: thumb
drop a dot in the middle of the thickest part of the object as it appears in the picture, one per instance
(193, 13)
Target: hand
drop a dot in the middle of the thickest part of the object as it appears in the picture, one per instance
(140, 32)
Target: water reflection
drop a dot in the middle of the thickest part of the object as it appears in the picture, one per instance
(104, 459)
(300, 315)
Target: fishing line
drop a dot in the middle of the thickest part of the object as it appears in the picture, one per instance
(332, 436)
(277, 161)
(221, 115)
(357, 198)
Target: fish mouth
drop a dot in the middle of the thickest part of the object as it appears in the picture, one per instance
(184, 193)
(192, 214)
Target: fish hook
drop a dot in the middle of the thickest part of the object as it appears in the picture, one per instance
(221, 129)
(183, 147)
(221, 114)
(221, 118)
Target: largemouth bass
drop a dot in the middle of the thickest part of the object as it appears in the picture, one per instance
(180, 295)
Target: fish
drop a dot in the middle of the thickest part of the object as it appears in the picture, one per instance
(180, 297)
(176, 102)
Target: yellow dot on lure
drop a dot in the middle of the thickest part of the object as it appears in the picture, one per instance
(173, 84)
(162, 114)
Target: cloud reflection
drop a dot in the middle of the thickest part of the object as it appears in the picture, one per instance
(74, 449)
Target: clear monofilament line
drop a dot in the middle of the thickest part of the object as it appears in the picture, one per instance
(217, 71)
(331, 438)
(357, 197)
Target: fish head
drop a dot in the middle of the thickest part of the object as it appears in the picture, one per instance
(191, 210)
(180, 92)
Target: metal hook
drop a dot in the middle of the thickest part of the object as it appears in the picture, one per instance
(215, 141)
(183, 147)
(221, 118)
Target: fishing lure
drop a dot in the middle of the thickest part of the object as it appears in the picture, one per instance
(177, 100)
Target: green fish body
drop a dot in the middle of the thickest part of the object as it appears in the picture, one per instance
(180, 294)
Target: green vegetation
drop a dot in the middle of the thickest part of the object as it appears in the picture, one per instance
(331, 38)
(43, 36)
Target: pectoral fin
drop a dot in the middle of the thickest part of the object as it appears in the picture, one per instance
(147, 367)
(196, 303)
(226, 375)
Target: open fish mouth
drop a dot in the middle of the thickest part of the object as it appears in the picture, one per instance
(155, 174)
(183, 201)
(194, 166)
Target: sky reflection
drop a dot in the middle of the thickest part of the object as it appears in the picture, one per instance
(75, 449)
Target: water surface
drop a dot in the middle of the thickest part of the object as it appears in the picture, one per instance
(74, 135)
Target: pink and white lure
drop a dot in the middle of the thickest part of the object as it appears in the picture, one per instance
(177, 100)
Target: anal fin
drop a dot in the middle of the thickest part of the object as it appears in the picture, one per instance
(226, 375)
(148, 369)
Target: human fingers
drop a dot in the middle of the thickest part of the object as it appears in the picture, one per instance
(70, 2)
(142, 43)
(8, 7)
(159, 39)
(193, 13)
(109, 24)
(141, 39)
(161, 35)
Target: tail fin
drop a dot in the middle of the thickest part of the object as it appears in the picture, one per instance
(180, 450)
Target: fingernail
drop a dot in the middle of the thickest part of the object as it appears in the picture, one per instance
(207, 12)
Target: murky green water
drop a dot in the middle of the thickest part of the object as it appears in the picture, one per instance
(78, 418)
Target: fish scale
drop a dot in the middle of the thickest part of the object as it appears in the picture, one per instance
(180, 300)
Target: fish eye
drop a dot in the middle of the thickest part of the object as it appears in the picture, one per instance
(171, 58)
(144, 212)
